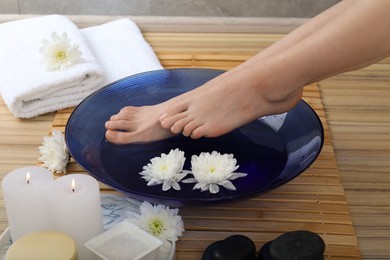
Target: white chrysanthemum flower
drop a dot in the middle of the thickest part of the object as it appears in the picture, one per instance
(59, 53)
(160, 221)
(166, 170)
(54, 153)
(211, 170)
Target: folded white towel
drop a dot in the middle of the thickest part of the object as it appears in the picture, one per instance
(27, 86)
(120, 49)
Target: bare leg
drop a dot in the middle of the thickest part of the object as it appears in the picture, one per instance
(270, 82)
(129, 125)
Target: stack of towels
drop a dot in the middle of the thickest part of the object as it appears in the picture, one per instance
(47, 63)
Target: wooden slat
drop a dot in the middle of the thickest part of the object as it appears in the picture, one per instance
(357, 106)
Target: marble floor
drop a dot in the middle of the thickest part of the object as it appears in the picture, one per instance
(230, 8)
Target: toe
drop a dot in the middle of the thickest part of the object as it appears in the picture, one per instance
(120, 138)
(174, 113)
(180, 125)
(198, 132)
(189, 128)
(114, 137)
(126, 113)
(168, 121)
(119, 125)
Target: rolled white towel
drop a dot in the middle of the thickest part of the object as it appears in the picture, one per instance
(121, 49)
(30, 84)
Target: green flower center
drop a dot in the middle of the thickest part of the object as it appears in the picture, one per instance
(61, 55)
(212, 169)
(156, 226)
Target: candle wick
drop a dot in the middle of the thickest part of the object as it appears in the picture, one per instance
(73, 185)
(28, 181)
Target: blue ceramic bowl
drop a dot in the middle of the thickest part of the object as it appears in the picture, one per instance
(272, 150)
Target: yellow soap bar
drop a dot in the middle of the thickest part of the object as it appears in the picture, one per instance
(45, 245)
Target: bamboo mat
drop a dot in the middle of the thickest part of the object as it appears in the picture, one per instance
(356, 105)
(313, 201)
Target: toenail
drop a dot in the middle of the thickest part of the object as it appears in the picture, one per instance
(193, 135)
(111, 135)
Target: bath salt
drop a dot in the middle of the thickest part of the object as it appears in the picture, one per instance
(121, 247)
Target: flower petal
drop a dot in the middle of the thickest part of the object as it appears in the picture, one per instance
(228, 185)
(180, 176)
(199, 186)
(175, 185)
(205, 187)
(236, 175)
(189, 180)
(153, 182)
(213, 188)
(166, 186)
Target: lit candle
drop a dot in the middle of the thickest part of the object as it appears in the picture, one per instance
(25, 201)
(75, 209)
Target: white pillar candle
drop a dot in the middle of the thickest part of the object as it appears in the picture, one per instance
(25, 200)
(76, 210)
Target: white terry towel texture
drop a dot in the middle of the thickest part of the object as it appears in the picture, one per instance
(121, 49)
(27, 87)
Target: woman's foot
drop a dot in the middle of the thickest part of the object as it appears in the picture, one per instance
(208, 111)
(224, 104)
(219, 106)
(136, 124)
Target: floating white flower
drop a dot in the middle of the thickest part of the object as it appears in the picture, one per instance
(59, 53)
(211, 170)
(54, 153)
(160, 221)
(166, 170)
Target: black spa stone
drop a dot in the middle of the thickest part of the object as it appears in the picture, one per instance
(295, 245)
(236, 247)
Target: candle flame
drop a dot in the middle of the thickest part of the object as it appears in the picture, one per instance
(73, 185)
(28, 177)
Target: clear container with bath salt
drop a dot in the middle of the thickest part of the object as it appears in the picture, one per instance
(125, 241)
